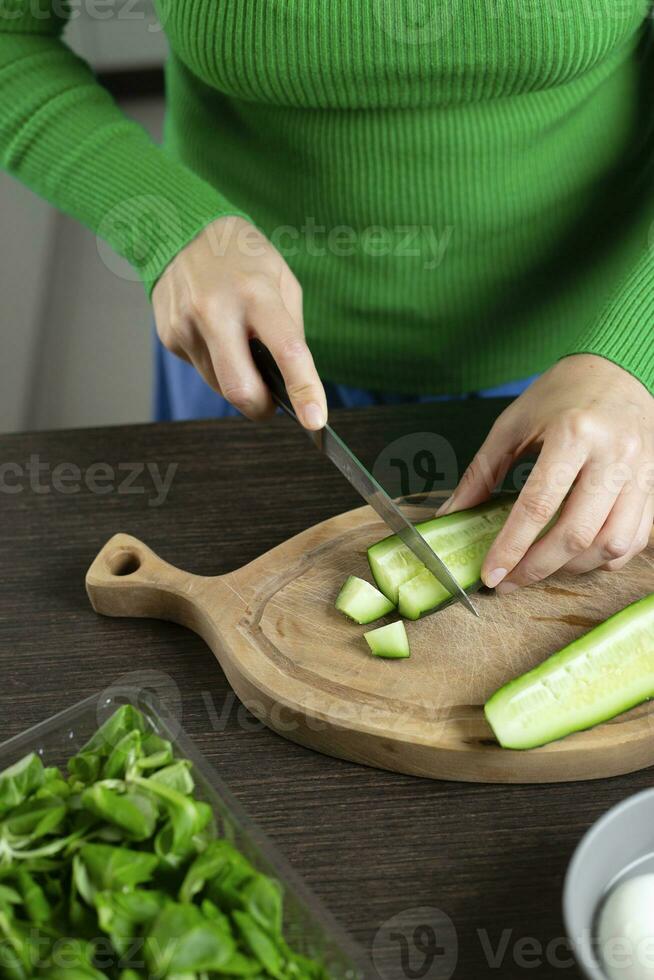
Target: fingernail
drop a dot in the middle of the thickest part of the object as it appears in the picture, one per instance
(495, 577)
(445, 506)
(505, 587)
(313, 416)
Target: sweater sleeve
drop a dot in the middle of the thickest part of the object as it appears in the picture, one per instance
(624, 332)
(62, 134)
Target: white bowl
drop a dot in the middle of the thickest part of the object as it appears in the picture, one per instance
(619, 846)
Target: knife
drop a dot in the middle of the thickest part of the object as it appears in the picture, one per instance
(331, 444)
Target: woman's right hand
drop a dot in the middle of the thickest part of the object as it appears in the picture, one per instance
(228, 285)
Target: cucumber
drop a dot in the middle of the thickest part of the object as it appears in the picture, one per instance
(600, 675)
(462, 540)
(389, 641)
(421, 594)
(361, 601)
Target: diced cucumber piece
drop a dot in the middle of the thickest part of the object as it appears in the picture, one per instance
(462, 540)
(361, 601)
(389, 641)
(600, 675)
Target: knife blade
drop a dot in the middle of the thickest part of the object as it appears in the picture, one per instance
(333, 447)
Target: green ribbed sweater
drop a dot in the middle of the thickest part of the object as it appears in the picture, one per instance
(463, 188)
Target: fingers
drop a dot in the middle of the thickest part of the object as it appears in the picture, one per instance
(195, 352)
(640, 541)
(487, 470)
(209, 302)
(591, 419)
(553, 474)
(181, 336)
(573, 536)
(625, 533)
(237, 377)
(272, 322)
(641, 538)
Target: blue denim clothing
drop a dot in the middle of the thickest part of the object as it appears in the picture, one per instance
(180, 393)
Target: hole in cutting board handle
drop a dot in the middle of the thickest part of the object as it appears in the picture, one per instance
(124, 563)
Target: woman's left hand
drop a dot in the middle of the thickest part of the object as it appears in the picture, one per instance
(594, 425)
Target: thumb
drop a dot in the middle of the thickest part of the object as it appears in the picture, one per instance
(487, 470)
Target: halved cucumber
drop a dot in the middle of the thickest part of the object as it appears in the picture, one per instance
(421, 594)
(600, 675)
(462, 540)
(389, 641)
(361, 601)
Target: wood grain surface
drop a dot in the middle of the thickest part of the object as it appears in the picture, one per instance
(375, 845)
(305, 670)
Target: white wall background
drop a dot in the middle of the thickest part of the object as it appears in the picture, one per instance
(76, 338)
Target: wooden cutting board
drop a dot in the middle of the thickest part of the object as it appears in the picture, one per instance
(306, 671)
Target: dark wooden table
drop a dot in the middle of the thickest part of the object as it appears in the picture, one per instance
(374, 845)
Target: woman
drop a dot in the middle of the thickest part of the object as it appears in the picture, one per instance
(463, 190)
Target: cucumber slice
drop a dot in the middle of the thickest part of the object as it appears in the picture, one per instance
(600, 675)
(462, 540)
(361, 601)
(389, 641)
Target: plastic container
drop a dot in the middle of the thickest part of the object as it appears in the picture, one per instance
(308, 926)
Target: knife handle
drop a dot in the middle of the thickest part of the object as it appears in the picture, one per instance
(267, 368)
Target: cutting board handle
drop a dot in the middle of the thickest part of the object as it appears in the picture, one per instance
(128, 579)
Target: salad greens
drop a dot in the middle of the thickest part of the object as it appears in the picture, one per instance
(115, 870)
